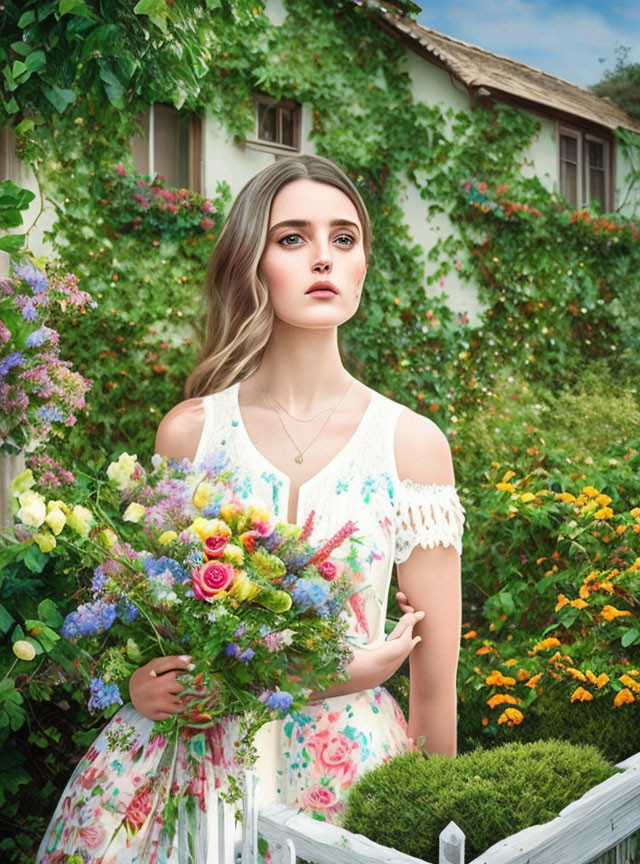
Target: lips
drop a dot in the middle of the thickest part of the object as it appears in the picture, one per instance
(322, 286)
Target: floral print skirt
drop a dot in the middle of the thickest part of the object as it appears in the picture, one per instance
(114, 807)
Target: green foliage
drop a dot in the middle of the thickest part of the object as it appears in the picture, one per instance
(407, 802)
(13, 199)
(622, 83)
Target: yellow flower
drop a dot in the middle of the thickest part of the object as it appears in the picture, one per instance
(603, 499)
(495, 465)
(167, 537)
(621, 529)
(56, 520)
(470, 635)
(577, 674)
(600, 681)
(526, 497)
(120, 472)
(590, 492)
(510, 662)
(506, 487)
(202, 495)
(593, 575)
(630, 682)
(610, 612)
(603, 513)
(578, 603)
(551, 642)
(80, 520)
(584, 591)
(22, 482)
(46, 541)
(24, 650)
(635, 512)
(233, 553)
(107, 537)
(607, 586)
(623, 696)
(508, 475)
(58, 505)
(565, 496)
(243, 588)
(581, 695)
(500, 698)
(633, 568)
(522, 674)
(228, 511)
(562, 601)
(134, 512)
(499, 680)
(32, 510)
(533, 681)
(511, 716)
(210, 527)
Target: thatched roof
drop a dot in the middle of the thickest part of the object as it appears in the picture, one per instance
(505, 79)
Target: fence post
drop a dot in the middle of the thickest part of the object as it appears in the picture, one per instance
(250, 819)
(451, 845)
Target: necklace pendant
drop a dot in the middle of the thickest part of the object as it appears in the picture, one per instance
(299, 458)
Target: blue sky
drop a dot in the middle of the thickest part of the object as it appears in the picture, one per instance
(567, 39)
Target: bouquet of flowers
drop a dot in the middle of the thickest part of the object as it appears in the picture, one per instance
(187, 568)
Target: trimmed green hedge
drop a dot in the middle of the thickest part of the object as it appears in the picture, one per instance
(490, 795)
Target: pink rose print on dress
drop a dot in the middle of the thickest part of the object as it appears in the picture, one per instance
(331, 569)
(92, 835)
(138, 810)
(333, 751)
(322, 799)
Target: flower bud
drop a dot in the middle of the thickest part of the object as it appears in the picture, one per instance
(24, 650)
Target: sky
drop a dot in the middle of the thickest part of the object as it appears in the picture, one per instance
(575, 40)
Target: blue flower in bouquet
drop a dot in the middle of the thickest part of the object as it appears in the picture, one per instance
(213, 463)
(166, 568)
(309, 595)
(246, 656)
(232, 650)
(27, 307)
(211, 511)
(103, 695)
(127, 611)
(99, 579)
(280, 700)
(50, 413)
(89, 619)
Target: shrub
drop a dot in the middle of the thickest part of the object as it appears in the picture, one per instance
(490, 795)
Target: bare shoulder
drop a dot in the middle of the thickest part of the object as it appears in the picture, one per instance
(180, 429)
(422, 450)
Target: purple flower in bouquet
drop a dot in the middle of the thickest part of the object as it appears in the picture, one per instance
(9, 362)
(35, 339)
(280, 700)
(160, 566)
(309, 595)
(103, 695)
(88, 620)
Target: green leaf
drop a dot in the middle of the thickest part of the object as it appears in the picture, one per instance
(76, 7)
(12, 244)
(34, 559)
(49, 613)
(59, 98)
(18, 68)
(22, 48)
(26, 18)
(630, 637)
(36, 61)
(6, 619)
(156, 10)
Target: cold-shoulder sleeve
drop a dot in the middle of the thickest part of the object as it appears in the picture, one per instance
(427, 515)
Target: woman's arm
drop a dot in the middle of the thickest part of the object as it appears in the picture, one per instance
(430, 581)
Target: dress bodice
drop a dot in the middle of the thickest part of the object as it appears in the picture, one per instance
(361, 483)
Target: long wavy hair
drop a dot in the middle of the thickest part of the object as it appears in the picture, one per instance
(240, 315)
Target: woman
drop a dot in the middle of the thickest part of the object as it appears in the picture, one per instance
(270, 388)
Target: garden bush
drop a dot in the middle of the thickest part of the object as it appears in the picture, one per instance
(407, 802)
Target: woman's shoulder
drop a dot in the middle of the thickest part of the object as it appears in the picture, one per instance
(180, 430)
(422, 450)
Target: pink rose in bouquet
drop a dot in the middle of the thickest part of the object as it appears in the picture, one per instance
(212, 578)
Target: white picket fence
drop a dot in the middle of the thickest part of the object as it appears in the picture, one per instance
(602, 827)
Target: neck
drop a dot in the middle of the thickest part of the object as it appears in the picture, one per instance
(302, 368)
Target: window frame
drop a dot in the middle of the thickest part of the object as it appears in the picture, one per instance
(276, 147)
(195, 168)
(582, 136)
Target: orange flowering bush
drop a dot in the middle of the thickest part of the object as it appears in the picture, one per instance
(554, 601)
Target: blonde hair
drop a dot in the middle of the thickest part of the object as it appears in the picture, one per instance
(240, 316)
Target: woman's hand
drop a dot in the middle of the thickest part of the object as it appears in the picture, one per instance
(154, 688)
(370, 668)
(403, 602)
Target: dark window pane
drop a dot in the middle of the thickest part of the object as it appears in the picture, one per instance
(267, 122)
(140, 146)
(287, 127)
(171, 145)
(595, 154)
(568, 148)
(569, 182)
(597, 187)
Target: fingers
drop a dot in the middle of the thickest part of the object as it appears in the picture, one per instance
(408, 621)
(403, 602)
(172, 662)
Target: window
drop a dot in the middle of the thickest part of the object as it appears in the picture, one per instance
(170, 145)
(584, 170)
(277, 125)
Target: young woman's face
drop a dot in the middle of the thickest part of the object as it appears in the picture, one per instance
(296, 256)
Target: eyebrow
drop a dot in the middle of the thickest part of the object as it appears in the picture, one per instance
(301, 223)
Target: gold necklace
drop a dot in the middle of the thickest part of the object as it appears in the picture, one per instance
(299, 457)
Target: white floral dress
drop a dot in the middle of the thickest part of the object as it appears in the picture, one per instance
(110, 811)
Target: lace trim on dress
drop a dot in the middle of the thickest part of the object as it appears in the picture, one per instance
(427, 515)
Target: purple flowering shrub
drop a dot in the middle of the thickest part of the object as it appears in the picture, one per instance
(39, 392)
